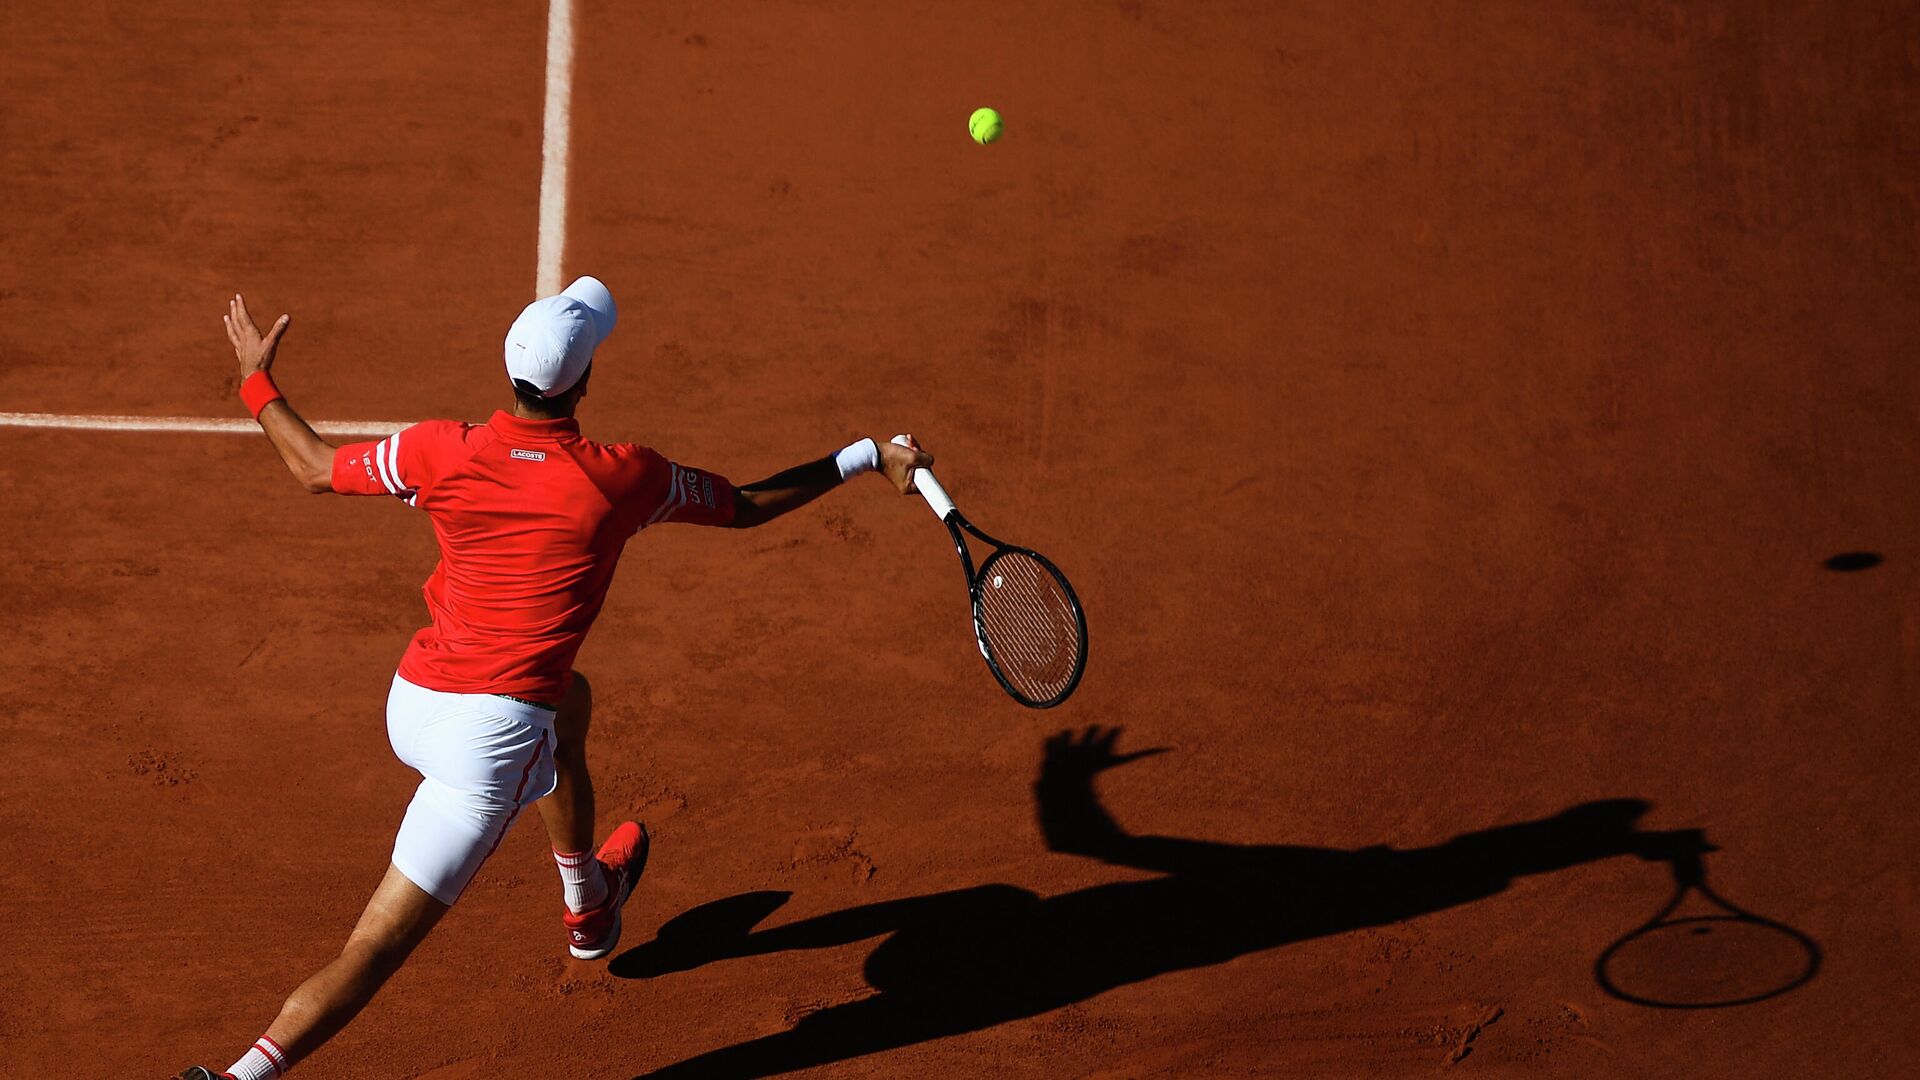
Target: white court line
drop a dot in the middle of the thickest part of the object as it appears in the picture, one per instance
(552, 247)
(553, 148)
(196, 424)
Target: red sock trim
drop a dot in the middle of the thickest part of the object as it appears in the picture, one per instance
(276, 1057)
(258, 392)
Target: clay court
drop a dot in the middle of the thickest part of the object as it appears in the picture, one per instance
(1447, 414)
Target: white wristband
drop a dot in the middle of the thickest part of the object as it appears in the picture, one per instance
(861, 457)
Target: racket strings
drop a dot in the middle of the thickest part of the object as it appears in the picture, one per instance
(1031, 625)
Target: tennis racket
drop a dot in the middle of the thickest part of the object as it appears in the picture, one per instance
(1026, 618)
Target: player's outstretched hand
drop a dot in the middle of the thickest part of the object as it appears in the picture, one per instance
(254, 352)
(898, 462)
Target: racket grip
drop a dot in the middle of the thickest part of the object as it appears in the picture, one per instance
(929, 488)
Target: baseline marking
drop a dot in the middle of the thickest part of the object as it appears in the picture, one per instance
(206, 425)
(550, 250)
(553, 148)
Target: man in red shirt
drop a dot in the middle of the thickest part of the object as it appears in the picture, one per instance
(531, 519)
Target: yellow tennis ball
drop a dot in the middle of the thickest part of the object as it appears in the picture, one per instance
(984, 126)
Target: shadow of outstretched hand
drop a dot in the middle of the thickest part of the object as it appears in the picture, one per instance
(1069, 759)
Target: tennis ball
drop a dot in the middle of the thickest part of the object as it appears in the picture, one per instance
(984, 126)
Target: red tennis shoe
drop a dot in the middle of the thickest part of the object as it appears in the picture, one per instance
(592, 934)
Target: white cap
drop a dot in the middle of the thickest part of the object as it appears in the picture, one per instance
(550, 345)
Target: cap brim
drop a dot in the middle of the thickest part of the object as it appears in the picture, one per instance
(599, 303)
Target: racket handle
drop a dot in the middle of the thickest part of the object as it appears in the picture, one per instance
(929, 488)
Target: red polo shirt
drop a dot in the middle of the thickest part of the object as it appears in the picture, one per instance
(531, 520)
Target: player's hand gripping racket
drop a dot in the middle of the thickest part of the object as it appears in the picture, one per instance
(1026, 618)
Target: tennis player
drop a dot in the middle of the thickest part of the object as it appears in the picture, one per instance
(531, 519)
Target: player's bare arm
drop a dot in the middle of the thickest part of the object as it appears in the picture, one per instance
(790, 489)
(308, 456)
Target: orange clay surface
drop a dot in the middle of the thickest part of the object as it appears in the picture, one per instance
(1444, 411)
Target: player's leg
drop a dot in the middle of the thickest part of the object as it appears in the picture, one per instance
(395, 921)
(595, 887)
(481, 759)
(568, 811)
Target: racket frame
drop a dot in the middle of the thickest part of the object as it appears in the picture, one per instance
(957, 527)
(976, 586)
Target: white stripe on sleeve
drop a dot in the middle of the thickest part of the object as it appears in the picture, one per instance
(393, 462)
(380, 463)
(668, 505)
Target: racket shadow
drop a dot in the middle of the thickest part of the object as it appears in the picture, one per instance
(1713, 956)
(968, 959)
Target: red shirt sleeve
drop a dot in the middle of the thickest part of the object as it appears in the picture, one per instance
(672, 492)
(399, 465)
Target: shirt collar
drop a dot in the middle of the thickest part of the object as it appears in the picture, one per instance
(508, 424)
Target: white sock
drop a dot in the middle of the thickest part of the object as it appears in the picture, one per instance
(263, 1062)
(581, 880)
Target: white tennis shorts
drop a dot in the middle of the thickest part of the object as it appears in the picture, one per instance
(482, 757)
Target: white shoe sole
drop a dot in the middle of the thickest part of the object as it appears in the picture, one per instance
(613, 938)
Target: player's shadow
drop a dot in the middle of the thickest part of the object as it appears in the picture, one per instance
(968, 959)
